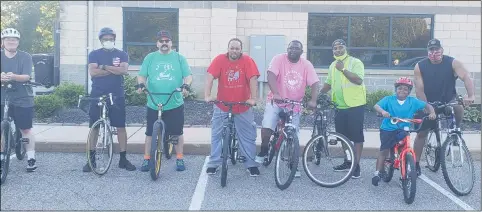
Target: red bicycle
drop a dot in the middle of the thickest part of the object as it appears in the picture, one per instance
(402, 157)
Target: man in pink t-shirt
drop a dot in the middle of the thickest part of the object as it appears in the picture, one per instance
(288, 76)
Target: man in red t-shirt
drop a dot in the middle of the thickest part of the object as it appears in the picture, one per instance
(237, 76)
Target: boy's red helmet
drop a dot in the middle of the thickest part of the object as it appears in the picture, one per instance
(404, 81)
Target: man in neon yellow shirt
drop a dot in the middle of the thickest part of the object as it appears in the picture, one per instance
(345, 80)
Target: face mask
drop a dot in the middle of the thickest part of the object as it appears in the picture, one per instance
(340, 57)
(108, 45)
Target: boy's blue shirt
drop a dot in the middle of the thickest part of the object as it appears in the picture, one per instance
(406, 110)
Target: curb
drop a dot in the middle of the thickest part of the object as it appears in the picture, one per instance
(189, 149)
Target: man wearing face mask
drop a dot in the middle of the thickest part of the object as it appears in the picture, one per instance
(345, 80)
(164, 71)
(288, 76)
(107, 66)
(237, 75)
(435, 79)
(16, 68)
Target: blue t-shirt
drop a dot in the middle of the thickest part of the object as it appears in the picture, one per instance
(111, 83)
(406, 110)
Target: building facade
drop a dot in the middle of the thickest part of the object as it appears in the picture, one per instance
(388, 36)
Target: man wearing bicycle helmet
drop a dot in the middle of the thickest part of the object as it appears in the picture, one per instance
(402, 106)
(16, 68)
(237, 75)
(107, 67)
(435, 80)
(164, 71)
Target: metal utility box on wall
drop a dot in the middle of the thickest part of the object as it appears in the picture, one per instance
(262, 48)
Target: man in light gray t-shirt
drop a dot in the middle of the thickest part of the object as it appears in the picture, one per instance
(16, 69)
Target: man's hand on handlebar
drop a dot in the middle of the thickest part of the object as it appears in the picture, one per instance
(185, 90)
(385, 114)
(468, 100)
(140, 88)
(251, 102)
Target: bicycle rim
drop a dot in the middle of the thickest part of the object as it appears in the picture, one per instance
(459, 154)
(432, 151)
(7, 137)
(409, 181)
(155, 162)
(225, 152)
(312, 161)
(105, 146)
(290, 147)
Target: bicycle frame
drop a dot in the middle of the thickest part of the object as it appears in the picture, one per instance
(102, 102)
(285, 126)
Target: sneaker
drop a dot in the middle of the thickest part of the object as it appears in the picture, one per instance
(345, 166)
(145, 165)
(126, 164)
(260, 157)
(31, 165)
(180, 165)
(211, 171)
(298, 174)
(376, 179)
(419, 170)
(253, 171)
(356, 173)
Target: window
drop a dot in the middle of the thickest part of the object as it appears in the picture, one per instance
(381, 41)
(140, 29)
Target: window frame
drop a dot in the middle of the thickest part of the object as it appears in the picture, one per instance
(125, 43)
(390, 25)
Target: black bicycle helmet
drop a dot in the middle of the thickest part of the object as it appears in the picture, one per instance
(106, 31)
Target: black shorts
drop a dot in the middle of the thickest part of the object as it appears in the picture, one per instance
(388, 139)
(116, 112)
(173, 120)
(22, 116)
(349, 122)
(427, 123)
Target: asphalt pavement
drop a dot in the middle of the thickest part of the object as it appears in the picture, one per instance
(60, 184)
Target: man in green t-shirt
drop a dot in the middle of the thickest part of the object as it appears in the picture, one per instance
(164, 71)
(345, 79)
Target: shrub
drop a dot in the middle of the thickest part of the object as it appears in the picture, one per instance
(374, 97)
(131, 95)
(47, 105)
(69, 93)
(472, 114)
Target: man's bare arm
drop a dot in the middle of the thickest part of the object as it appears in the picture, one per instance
(272, 83)
(315, 90)
(463, 74)
(188, 80)
(326, 88)
(209, 85)
(355, 79)
(121, 70)
(97, 72)
(253, 86)
(419, 89)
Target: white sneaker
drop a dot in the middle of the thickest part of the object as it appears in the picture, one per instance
(259, 159)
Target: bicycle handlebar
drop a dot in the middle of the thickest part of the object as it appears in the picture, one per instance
(141, 86)
(396, 120)
(28, 83)
(440, 105)
(102, 98)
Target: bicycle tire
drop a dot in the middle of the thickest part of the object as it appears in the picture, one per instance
(168, 148)
(225, 153)
(389, 164)
(294, 162)
(468, 158)
(436, 165)
(271, 150)
(156, 150)
(233, 153)
(410, 177)
(309, 146)
(107, 141)
(7, 135)
(20, 150)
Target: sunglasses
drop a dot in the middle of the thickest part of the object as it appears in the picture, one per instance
(164, 41)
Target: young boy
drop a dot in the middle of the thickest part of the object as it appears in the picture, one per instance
(398, 105)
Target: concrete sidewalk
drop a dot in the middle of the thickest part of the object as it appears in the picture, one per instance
(54, 138)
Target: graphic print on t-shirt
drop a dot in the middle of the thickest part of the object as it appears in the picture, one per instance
(164, 69)
(233, 76)
(293, 80)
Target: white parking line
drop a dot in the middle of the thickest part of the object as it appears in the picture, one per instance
(449, 195)
(198, 196)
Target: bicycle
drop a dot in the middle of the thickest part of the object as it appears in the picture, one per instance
(159, 136)
(320, 144)
(402, 157)
(230, 141)
(453, 141)
(106, 131)
(11, 137)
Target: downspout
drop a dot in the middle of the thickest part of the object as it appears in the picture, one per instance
(90, 43)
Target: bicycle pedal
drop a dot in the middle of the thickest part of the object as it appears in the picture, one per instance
(241, 159)
(174, 139)
(25, 140)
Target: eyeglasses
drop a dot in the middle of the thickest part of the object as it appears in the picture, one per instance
(164, 41)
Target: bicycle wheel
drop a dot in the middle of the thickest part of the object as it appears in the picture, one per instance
(389, 168)
(156, 149)
(271, 149)
(99, 166)
(20, 150)
(432, 150)
(234, 151)
(225, 153)
(318, 148)
(7, 138)
(289, 151)
(454, 148)
(168, 147)
(409, 179)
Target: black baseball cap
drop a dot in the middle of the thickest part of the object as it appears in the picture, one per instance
(338, 42)
(434, 43)
(165, 34)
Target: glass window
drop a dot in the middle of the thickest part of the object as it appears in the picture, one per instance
(321, 57)
(407, 59)
(323, 30)
(410, 32)
(369, 31)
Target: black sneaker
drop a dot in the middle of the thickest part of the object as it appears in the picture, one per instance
(125, 164)
(211, 171)
(253, 171)
(375, 180)
(356, 173)
(343, 167)
(31, 165)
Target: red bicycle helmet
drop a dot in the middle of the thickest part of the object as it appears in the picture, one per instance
(404, 81)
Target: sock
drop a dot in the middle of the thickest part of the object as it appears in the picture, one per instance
(179, 155)
(123, 155)
(147, 157)
(31, 155)
(376, 173)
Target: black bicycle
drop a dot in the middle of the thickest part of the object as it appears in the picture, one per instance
(453, 147)
(159, 136)
(11, 137)
(322, 145)
(230, 141)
